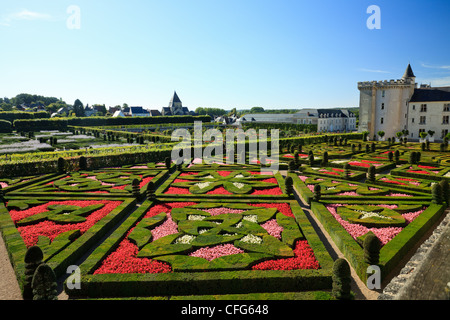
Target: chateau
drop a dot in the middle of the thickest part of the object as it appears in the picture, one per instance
(396, 105)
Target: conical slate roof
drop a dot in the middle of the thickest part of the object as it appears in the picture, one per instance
(175, 97)
(408, 73)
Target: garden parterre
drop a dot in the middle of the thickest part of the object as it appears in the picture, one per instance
(221, 228)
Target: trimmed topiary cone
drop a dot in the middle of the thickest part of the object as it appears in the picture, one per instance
(436, 194)
(33, 258)
(168, 163)
(61, 165)
(44, 283)
(150, 191)
(341, 288)
(83, 163)
(445, 190)
(289, 185)
(317, 192)
(371, 173)
(372, 246)
(292, 166)
(136, 190)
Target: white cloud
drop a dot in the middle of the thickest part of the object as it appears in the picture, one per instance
(436, 82)
(435, 67)
(30, 15)
(24, 14)
(372, 70)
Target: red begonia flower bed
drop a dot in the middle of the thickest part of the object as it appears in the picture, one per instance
(50, 229)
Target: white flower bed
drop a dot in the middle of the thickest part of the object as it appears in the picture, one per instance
(366, 214)
(202, 185)
(250, 238)
(186, 239)
(238, 185)
(196, 217)
(251, 218)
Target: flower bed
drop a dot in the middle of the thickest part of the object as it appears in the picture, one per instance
(340, 189)
(428, 172)
(398, 226)
(405, 183)
(384, 220)
(63, 229)
(333, 172)
(111, 182)
(223, 182)
(167, 240)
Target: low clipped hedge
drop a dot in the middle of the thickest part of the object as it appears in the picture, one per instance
(38, 187)
(165, 186)
(403, 171)
(199, 283)
(367, 195)
(72, 252)
(391, 253)
(5, 126)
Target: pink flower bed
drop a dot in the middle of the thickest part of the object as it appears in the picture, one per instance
(124, 258)
(3, 184)
(273, 228)
(210, 253)
(50, 229)
(385, 234)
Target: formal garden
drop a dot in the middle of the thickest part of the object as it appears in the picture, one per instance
(127, 222)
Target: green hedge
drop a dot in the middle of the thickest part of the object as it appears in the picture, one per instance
(69, 255)
(164, 186)
(214, 282)
(5, 126)
(62, 123)
(16, 115)
(391, 253)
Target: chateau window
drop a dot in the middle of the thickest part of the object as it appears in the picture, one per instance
(445, 119)
(446, 107)
(421, 130)
(414, 107)
(383, 93)
(423, 108)
(423, 120)
(382, 120)
(444, 133)
(382, 106)
(412, 120)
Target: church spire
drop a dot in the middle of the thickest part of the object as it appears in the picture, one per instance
(175, 97)
(408, 73)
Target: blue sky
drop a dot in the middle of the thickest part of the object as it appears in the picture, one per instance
(217, 53)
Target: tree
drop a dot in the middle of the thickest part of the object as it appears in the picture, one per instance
(371, 173)
(423, 134)
(341, 277)
(257, 110)
(78, 108)
(381, 134)
(371, 247)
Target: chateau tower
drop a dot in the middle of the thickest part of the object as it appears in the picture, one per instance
(383, 105)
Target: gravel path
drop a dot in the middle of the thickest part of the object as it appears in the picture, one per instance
(9, 288)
